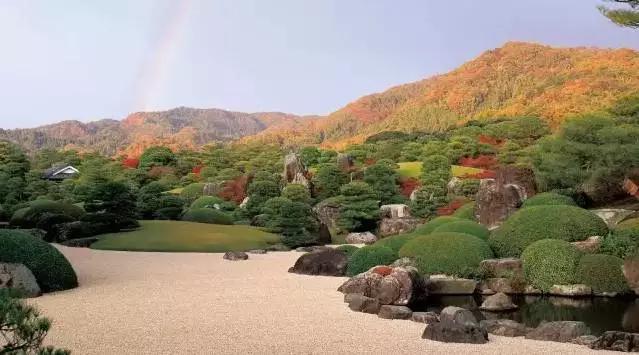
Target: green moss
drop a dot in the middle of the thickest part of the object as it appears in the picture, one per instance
(466, 211)
(531, 224)
(207, 215)
(50, 268)
(455, 254)
(549, 198)
(369, 256)
(434, 224)
(602, 272)
(466, 227)
(550, 262)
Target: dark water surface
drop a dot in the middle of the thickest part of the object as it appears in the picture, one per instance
(599, 313)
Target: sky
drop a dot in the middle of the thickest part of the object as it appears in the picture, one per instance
(89, 59)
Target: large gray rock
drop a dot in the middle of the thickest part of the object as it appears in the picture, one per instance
(456, 325)
(361, 238)
(295, 171)
(326, 262)
(498, 198)
(425, 317)
(395, 211)
(235, 255)
(564, 331)
(497, 285)
(327, 212)
(577, 290)
(617, 341)
(501, 267)
(19, 278)
(631, 271)
(590, 245)
(395, 226)
(447, 285)
(499, 302)
(211, 189)
(504, 327)
(394, 312)
(395, 286)
(361, 303)
(613, 216)
(345, 162)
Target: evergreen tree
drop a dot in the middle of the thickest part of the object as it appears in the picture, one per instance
(383, 180)
(627, 16)
(328, 180)
(359, 210)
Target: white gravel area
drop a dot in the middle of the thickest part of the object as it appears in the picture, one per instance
(184, 303)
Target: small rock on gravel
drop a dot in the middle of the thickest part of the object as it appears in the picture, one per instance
(394, 312)
(235, 255)
(360, 303)
(425, 317)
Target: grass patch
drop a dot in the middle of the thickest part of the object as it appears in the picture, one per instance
(179, 236)
(413, 169)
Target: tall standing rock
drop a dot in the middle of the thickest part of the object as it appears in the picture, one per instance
(344, 162)
(500, 197)
(295, 171)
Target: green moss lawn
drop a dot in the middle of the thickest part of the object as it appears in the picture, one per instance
(178, 236)
(413, 169)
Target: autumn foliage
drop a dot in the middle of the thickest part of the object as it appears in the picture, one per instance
(234, 190)
(481, 162)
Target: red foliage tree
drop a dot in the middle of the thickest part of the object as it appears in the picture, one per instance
(484, 174)
(490, 140)
(131, 163)
(234, 190)
(450, 208)
(481, 162)
(408, 185)
(197, 169)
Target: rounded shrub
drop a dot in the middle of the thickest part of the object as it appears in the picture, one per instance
(207, 215)
(549, 198)
(431, 225)
(531, 224)
(466, 211)
(550, 262)
(449, 253)
(207, 202)
(192, 192)
(50, 268)
(349, 250)
(466, 227)
(396, 242)
(621, 242)
(29, 216)
(602, 272)
(367, 257)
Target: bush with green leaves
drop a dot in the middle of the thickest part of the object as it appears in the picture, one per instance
(602, 272)
(359, 209)
(549, 198)
(466, 227)
(297, 225)
(550, 262)
(23, 329)
(192, 192)
(449, 253)
(50, 268)
(369, 256)
(621, 242)
(435, 223)
(531, 224)
(29, 216)
(466, 211)
(207, 215)
(396, 242)
(349, 250)
(297, 193)
(48, 223)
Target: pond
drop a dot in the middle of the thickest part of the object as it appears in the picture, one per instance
(599, 313)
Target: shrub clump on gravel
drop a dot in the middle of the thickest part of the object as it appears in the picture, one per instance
(434, 223)
(550, 262)
(207, 215)
(396, 242)
(369, 256)
(549, 198)
(466, 227)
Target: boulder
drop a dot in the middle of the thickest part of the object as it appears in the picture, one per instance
(425, 317)
(19, 278)
(456, 325)
(394, 312)
(235, 255)
(504, 327)
(532, 291)
(586, 340)
(326, 262)
(497, 285)
(395, 211)
(327, 213)
(578, 290)
(453, 186)
(361, 238)
(394, 226)
(498, 198)
(613, 216)
(294, 170)
(630, 321)
(257, 251)
(447, 285)
(631, 271)
(344, 162)
(617, 341)
(361, 303)
(211, 189)
(499, 302)
(324, 235)
(564, 331)
(590, 245)
(501, 267)
(390, 285)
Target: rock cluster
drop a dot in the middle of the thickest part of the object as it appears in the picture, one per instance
(389, 285)
(564, 331)
(361, 238)
(326, 262)
(504, 327)
(499, 302)
(617, 341)
(447, 285)
(295, 171)
(456, 325)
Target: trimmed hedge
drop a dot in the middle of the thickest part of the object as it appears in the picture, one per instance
(466, 211)
(449, 253)
(549, 198)
(531, 224)
(396, 242)
(431, 225)
(192, 192)
(29, 216)
(206, 202)
(207, 215)
(621, 242)
(349, 250)
(602, 272)
(50, 268)
(550, 262)
(369, 256)
(466, 227)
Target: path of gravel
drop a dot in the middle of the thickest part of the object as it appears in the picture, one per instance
(162, 303)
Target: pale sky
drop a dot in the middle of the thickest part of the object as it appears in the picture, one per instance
(89, 59)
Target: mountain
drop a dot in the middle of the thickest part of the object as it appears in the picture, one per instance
(179, 128)
(516, 79)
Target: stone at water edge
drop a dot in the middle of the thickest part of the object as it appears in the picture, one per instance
(235, 255)
(425, 317)
(617, 341)
(394, 312)
(631, 271)
(590, 245)
(457, 315)
(360, 303)
(447, 285)
(578, 290)
(390, 285)
(497, 285)
(586, 340)
(361, 238)
(456, 325)
(501, 267)
(326, 262)
(18, 277)
(563, 332)
(504, 327)
(499, 302)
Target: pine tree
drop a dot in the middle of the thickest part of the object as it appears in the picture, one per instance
(627, 17)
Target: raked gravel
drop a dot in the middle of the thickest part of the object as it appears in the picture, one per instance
(186, 303)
